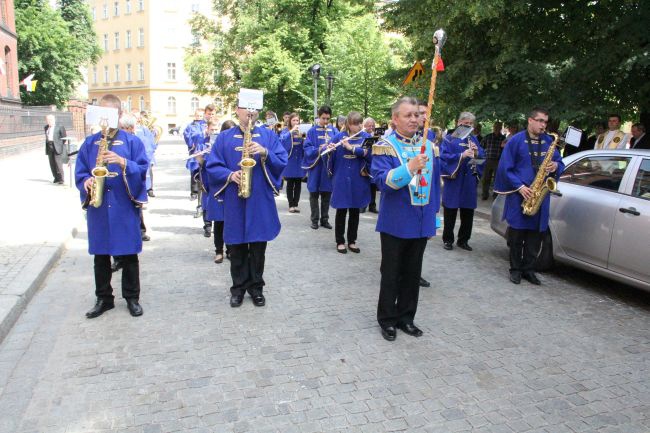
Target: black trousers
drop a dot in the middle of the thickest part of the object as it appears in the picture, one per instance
(294, 186)
(56, 164)
(373, 195)
(488, 173)
(524, 247)
(218, 238)
(143, 228)
(466, 223)
(130, 277)
(247, 268)
(194, 183)
(324, 206)
(401, 265)
(353, 225)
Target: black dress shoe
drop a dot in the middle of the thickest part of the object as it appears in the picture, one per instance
(207, 232)
(515, 277)
(145, 237)
(100, 306)
(362, 210)
(389, 333)
(194, 196)
(150, 193)
(259, 300)
(314, 226)
(373, 208)
(532, 278)
(448, 246)
(410, 329)
(326, 225)
(465, 246)
(236, 300)
(134, 307)
(341, 250)
(354, 249)
(424, 283)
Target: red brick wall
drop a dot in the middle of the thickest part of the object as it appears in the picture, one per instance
(8, 51)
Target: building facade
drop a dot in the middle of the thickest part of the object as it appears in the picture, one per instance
(9, 93)
(144, 43)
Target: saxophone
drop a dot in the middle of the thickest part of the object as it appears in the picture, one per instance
(246, 163)
(100, 172)
(542, 185)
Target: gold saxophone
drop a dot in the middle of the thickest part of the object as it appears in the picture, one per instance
(100, 171)
(246, 163)
(542, 185)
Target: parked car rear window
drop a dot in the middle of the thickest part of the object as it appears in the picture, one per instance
(642, 182)
(605, 172)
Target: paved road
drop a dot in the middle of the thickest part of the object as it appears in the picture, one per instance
(569, 356)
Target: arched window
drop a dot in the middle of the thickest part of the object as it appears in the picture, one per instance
(142, 103)
(194, 104)
(171, 105)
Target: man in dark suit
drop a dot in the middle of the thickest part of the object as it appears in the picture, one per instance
(55, 148)
(639, 137)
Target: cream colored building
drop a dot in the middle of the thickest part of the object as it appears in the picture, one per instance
(144, 44)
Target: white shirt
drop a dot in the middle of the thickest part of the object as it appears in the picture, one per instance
(50, 133)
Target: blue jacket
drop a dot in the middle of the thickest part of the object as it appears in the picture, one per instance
(407, 209)
(516, 170)
(254, 219)
(350, 177)
(460, 180)
(194, 129)
(295, 150)
(318, 179)
(114, 227)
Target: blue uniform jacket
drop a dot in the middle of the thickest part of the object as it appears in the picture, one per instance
(516, 170)
(194, 129)
(150, 146)
(294, 147)
(460, 181)
(114, 227)
(254, 219)
(318, 179)
(350, 177)
(401, 212)
(213, 205)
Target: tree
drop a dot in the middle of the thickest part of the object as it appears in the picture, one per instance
(581, 59)
(48, 49)
(77, 14)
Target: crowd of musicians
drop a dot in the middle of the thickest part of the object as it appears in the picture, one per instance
(415, 171)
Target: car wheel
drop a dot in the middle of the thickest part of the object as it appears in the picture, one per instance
(545, 260)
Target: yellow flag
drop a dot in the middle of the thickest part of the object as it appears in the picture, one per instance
(34, 85)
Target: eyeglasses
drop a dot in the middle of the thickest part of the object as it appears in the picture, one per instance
(541, 120)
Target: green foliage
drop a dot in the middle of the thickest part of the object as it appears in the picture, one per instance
(77, 14)
(581, 59)
(271, 45)
(52, 49)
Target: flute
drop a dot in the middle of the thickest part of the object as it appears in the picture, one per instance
(329, 149)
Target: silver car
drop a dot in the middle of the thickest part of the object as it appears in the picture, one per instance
(600, 216)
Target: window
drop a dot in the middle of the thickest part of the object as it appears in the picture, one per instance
(117, 73)
(117, 40)
(127, 7)
(642, 182)
(194, 104)
(141, 103)
(141, 71)
(116, 9)
(94, 74)
(171, 71)
(105, 11)
(105, 42)
(605, 172)
(105, 74)
(171, 105)
(94, 12)
(129, 102)
(127, 39)
(128, 72)
(140, 5)
(141, 37)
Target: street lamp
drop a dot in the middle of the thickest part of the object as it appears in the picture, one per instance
(315, 72)
(330, 86)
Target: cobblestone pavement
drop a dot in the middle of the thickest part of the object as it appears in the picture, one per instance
(569, 356)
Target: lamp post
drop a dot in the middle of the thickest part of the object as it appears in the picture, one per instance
(330, 86)
(315, 72)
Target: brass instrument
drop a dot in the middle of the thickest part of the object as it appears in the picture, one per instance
(100, 171)
(246, 163)
(150, 124)
(542, 185)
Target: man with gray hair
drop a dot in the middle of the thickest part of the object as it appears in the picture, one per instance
(55, 148)
(461, 172)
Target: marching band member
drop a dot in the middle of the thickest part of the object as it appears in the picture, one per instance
(293, 172)
(199, 144)
(249, 223)
(114, 226)
(369, 126)
(194, 134)
(408, 184)
(349, 165)
(214, 205)
(518, 167)
(461, 177)
(150, 146)
(318, 180)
